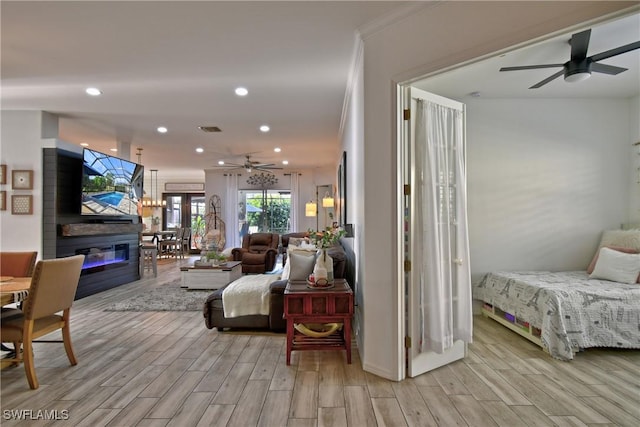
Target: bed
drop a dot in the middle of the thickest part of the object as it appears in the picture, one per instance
(565, 312)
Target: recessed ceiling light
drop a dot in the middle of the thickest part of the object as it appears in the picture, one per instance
(115, 150)
(241, 91)
(221, 162)
(285, 162)
(264, 128)
(199, 150)
(162, 129)
(277, 149)
(93, 91)
(84, 144)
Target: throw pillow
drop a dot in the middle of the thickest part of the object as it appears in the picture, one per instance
(592, 265)
(621, 238)
(296, 241)
(301, 264)
(287, 267)
(616, 266)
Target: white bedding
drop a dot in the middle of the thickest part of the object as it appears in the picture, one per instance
(572, 310)
(248, 295)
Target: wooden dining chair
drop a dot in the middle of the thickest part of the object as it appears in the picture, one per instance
(53, 289)
(169, 246)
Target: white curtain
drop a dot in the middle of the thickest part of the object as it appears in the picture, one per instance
(231, 212)
(295, 204)
(442, 255)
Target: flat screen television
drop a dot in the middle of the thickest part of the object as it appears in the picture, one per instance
(110, 185)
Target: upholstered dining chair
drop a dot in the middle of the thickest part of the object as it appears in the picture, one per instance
(17, 264)
(53, 289)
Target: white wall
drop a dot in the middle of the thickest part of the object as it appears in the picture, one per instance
(634, 135)
(545, 177)
(426, 41)
(21, 141)
(352, 141)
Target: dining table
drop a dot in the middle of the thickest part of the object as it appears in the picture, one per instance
(156, 236)
(14, 289)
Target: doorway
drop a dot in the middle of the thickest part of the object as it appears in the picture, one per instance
(185, 210)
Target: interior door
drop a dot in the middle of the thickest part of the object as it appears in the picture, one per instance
(419, 362)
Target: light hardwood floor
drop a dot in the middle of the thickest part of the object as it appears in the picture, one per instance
(167, 369)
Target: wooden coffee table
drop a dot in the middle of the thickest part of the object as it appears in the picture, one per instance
(211, 277)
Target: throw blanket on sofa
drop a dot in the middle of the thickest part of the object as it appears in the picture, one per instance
(248, 295)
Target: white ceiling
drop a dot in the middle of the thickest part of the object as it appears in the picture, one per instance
(177, 64)
(484, 77)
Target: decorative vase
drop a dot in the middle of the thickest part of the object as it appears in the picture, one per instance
(324, 266)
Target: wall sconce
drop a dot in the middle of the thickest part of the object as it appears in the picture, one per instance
(327, 201)
(310, 208)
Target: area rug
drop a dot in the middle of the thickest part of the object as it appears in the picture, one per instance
(167, 297)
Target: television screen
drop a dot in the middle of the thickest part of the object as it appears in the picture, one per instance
(110, 186)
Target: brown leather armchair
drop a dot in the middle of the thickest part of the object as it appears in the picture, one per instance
(258, 253)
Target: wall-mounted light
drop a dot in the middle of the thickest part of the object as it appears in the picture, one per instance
(310, 208)
(327, 201)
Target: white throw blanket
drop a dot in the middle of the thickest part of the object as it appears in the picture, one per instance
(248, 295)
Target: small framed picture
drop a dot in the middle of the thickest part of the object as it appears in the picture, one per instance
(22, 179)
(3, 174)
(3, 200)
(22, 204)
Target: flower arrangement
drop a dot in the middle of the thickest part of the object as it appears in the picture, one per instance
(327, 238)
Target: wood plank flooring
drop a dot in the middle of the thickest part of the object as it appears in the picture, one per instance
(167, 369)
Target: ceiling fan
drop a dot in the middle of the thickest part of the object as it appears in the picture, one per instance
(580, 66)
(250, 165)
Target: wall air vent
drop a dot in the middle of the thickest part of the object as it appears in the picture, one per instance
(209, 129)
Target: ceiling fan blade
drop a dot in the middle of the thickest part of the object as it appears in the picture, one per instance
(263, 165)
(613, 52)
(607, 69)
(579, 45)
(266, 169)
(547, 80)
(531, 67)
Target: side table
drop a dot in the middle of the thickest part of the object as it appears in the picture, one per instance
(210, 277)
(310, 305)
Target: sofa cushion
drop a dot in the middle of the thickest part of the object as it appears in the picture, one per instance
(301, 264)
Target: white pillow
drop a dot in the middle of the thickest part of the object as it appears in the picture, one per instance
(616, 266)
(286, 271)
(301, 264)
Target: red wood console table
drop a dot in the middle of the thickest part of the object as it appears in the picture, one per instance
(306, 305)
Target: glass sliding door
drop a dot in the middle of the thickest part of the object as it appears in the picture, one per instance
(264, 211)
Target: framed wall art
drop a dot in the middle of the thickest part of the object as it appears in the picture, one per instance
(3, 174)
(21, 204)
(22, 179)
(3, 200)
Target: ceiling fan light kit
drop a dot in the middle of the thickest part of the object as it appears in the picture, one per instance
(249, 165)
(580, 66)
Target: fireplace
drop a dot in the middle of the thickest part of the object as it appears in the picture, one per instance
(104, 257)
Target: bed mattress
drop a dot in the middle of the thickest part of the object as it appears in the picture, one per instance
(573, 311)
